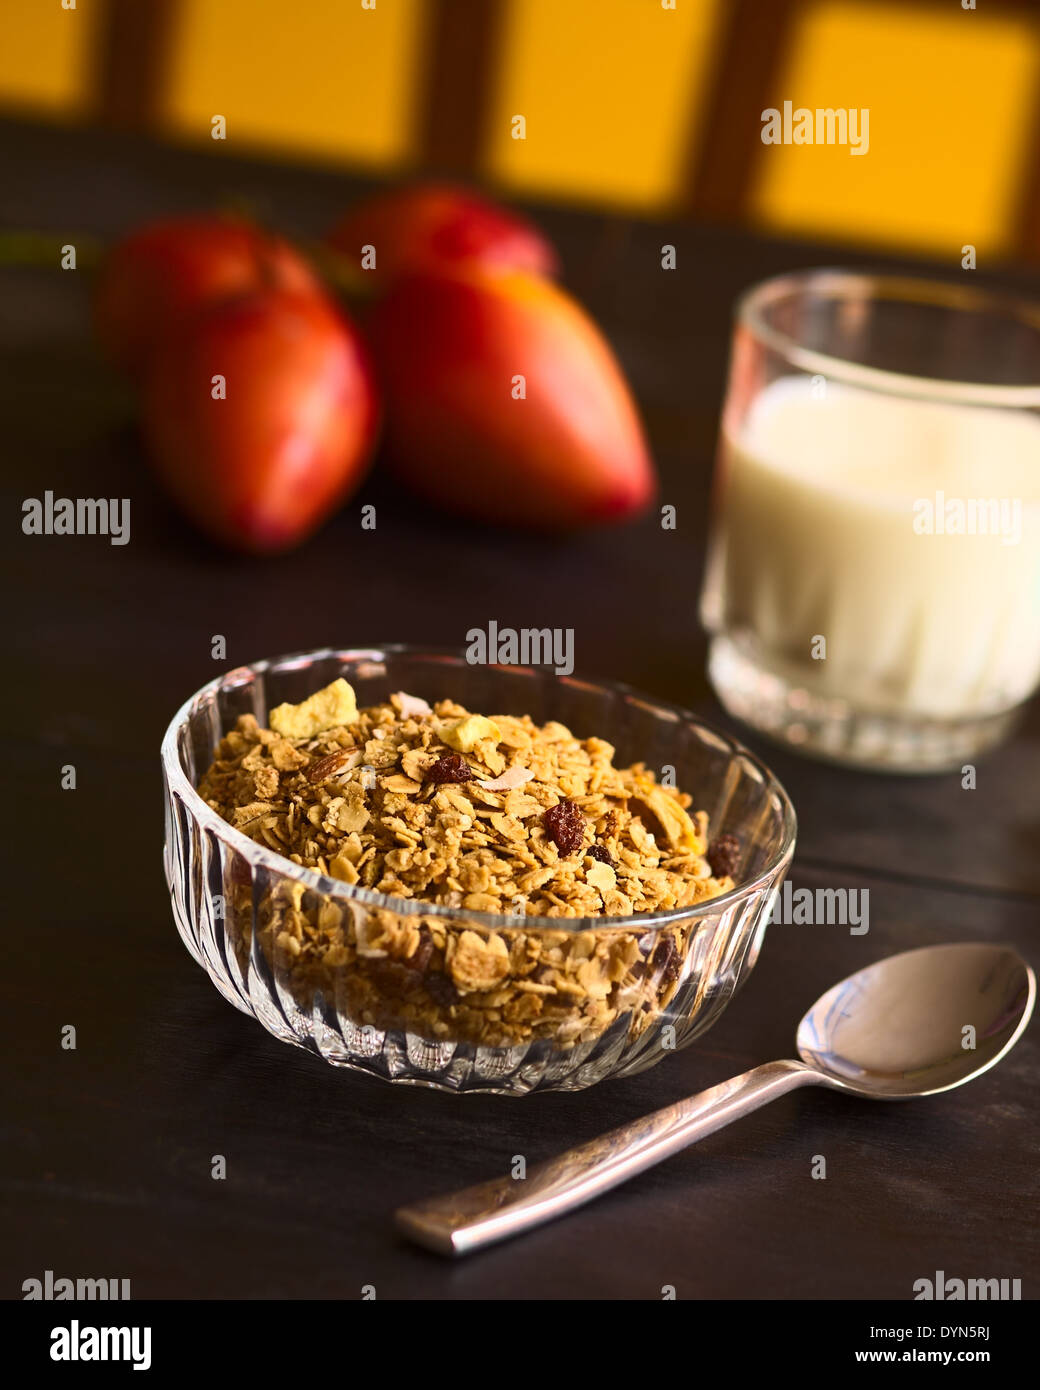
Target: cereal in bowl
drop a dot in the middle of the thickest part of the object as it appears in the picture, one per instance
(477, 814)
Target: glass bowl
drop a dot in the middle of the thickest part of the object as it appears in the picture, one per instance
(242, 909)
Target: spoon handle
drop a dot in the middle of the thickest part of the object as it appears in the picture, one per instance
(465, 1221)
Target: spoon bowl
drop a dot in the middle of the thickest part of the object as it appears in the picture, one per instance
(920, 1022)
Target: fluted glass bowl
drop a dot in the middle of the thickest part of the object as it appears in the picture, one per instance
(233, 898)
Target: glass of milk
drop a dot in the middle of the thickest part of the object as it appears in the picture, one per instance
(873, 581)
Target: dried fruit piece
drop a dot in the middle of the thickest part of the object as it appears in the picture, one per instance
(325, 709)
(464, 734)
(452, 767)
(666, 959)
(333, 763)
(440, 989)
(565, 825)
(420, 957)
(724, 856)
(410, 706)
(601, 853)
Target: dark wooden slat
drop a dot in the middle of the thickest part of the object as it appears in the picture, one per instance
(721, 160)
(131, 62)
(459, 81)
(1028, 218)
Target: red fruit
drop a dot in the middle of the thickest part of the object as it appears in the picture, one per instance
(169, 270)
(264, 467)
(433, 227)
(450, 350)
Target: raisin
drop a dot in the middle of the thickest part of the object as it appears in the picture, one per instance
(566, 826)
(452, 767)
(420, 957)
(666, 959)
(391, 976)
(601, 853)
(724, 855)
(440, 989)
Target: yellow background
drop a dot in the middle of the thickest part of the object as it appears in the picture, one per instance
(615, 94)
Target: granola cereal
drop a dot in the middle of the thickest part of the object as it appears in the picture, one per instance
(476, 814)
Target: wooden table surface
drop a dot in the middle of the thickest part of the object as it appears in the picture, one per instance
(107, 1149)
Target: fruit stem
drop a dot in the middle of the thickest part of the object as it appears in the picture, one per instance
(339, 272)
(45, 249)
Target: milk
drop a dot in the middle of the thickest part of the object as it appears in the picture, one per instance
(839, 515)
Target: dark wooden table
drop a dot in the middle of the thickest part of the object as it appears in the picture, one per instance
(107, 1149)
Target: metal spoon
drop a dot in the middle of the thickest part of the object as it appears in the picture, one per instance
(911, 1025)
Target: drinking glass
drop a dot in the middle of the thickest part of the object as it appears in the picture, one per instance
(872, 590)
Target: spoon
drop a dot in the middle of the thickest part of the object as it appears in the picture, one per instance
(910, 1025)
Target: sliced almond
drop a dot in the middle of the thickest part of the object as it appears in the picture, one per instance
(665, 818)
(506, 781)
(342, 760)
(601, 876)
